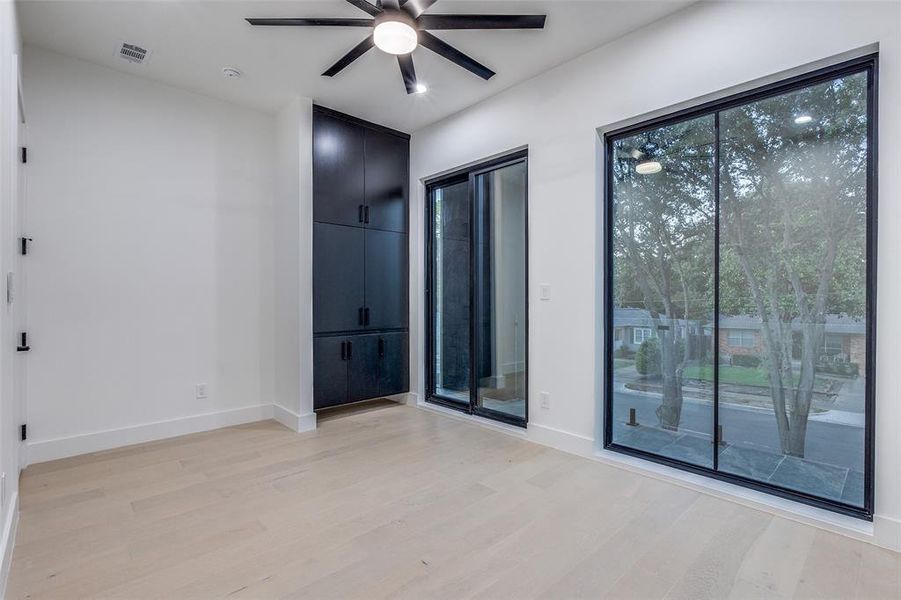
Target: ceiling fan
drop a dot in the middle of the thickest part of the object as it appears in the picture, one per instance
(399, 26)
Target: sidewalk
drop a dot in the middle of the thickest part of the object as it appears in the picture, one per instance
(846, 407)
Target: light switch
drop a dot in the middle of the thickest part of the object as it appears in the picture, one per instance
(544, 291)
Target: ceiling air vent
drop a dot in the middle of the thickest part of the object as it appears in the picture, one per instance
(133, 53)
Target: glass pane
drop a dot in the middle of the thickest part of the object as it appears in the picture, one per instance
(793, 283)
(500, 262)
(450, 231)
(663, 233)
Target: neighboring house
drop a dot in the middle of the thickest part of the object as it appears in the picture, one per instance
(740, 335)
(845, 338)
(632, 326)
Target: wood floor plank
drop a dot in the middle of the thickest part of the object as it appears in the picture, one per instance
(388, 501)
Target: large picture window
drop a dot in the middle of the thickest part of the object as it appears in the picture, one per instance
(742, 234)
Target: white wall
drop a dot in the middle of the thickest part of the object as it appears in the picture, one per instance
(703, 50)
(10, 406)
(151, 210)
(293, 236)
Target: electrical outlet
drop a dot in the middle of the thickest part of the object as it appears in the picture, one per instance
(200, 391)
(545, 400)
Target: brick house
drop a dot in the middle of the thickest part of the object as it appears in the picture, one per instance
(845, 337)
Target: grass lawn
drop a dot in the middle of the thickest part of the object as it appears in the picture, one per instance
(622, 363)
(742, 376)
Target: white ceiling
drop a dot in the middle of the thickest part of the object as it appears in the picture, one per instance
(192, 40)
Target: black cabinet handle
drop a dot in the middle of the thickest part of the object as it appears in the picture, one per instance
(366, 316)
(350, 350)
(361, 316)
(360, 213)
(343, 350)
(381, 347)
(366, 214)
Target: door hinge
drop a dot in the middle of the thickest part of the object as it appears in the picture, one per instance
(23, 428)
(24, 347)
(23, 245)
(24, 154)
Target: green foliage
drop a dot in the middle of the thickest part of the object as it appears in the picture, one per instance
(744, 376)
(647, 360)
(623, 352)
(746, 360)
(846, 369)
(791, 197)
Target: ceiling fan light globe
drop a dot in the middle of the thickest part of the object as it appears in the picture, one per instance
(395, 37)
(648, 167)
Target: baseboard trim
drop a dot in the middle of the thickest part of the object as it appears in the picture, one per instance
(43, 450)
(561, 440)
(292, 420)
(8, 541)
(887, 532)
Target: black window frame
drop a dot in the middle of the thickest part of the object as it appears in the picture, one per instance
(868, 64)
(469, 174)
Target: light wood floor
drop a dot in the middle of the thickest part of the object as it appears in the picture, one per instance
(399, 502)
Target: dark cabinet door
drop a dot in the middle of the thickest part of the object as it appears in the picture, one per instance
(386, 279)
(329, 372)
(338, 294)
(394, 368)
(363, 368)
(387, 180)
(337, 170)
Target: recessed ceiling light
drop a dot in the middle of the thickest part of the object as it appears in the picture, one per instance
(802, 119)
(421, 88)
(395, 36)
(648, 167)
(231, 73)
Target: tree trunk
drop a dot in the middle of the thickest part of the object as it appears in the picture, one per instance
(811, 341)
(669, 413)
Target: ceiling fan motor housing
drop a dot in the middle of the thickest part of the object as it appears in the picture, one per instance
(400, 16)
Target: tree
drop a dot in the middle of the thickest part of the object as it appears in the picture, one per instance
(793, 209)
(663, 241)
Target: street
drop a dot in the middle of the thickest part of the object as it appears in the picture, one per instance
(830, 443)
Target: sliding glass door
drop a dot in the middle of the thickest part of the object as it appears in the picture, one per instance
(477, 290)
(740, 298)
(450, 285)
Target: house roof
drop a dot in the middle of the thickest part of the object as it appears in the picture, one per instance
(639, 317)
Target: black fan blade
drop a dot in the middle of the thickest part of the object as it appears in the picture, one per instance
(313, 22)
(452, 54)
(409, 73)
(357, 51)
(363, 5)
(481, 21)
(415, 8)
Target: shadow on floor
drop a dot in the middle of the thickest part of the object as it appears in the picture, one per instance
(357, 408)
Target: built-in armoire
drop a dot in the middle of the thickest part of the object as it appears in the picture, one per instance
(360, 266)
